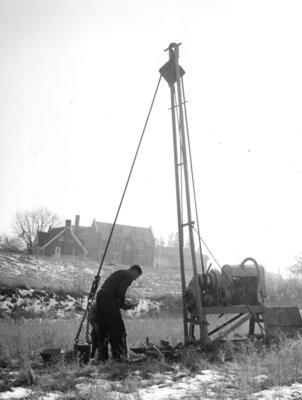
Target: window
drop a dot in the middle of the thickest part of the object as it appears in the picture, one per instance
(128, 246)
(141, 244)
(61, 238)
(71, 239)
(58, 251)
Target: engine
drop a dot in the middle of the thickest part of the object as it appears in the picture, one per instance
(242, 284)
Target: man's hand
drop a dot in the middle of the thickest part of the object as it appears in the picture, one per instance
(129, 306)
(134, 305)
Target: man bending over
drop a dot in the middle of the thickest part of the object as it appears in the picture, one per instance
(110, 299)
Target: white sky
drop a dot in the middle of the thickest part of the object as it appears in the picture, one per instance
(76, 82)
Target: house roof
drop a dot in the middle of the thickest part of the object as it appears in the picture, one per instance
(52, 234)
(135, 232)
(42, 238)
(55, 231)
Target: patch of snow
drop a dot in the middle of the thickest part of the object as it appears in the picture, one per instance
(12, 265)
(53, 303)
(35, 301)
(179, 390)
(280, 392)
(200, 386)
(25, 292)
(144, 306)
(100, 385)
(166, 388)
(51, 396)
(16, 393)
(206, 376)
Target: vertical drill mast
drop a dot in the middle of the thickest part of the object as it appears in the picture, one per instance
(173, 73)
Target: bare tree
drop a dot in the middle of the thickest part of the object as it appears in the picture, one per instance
(28, 223)
(11, 244)
(296, 268)
(173, 240)
(160, 241)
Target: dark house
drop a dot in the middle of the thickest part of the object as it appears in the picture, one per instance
(128, 244)
(59, 242)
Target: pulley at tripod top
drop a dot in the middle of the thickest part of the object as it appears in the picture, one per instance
(168, 71)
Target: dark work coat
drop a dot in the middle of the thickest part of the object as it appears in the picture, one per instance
(118, 283)
(110, 298)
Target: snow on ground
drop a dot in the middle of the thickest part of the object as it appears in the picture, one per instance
(46, 272)
(281, 392)
(22, 393)
(166, 388)
(187, 386)
(23, 265)
(46, 301)
(144, 306)
(16, 393)
(208, 385)
(62, 273)
(14, 300)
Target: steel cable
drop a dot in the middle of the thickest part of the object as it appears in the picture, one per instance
(95, 283)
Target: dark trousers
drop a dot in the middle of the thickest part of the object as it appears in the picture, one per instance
(111, 328)
(94, 339)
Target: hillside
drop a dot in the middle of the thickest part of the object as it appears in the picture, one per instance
(40, 272)
(77, 276)
(33, 286)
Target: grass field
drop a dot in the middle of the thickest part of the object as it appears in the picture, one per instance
(243, 369)
(236, 371)
(28, 337)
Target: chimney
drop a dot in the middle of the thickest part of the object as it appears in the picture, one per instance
(77, 223)
(68, 222)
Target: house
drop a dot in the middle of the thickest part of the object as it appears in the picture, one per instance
(128, 244)
(59, 242)
(169, 257)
